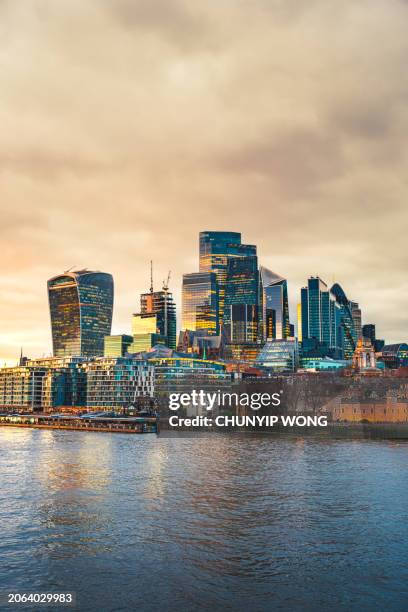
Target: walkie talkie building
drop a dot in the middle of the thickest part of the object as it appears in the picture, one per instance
(81, 306)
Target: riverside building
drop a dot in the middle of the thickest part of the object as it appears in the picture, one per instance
(41, 385)
(114, 383)
(182, 375)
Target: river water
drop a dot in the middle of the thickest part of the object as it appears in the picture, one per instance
(213, 523)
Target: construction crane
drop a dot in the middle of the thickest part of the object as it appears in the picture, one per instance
(166, 291)
(166, 282)
(151, 276)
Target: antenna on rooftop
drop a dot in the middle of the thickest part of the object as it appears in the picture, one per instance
(166, 292)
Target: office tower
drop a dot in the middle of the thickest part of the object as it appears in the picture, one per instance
(275, 306)
(378, 345)
(147, 331)
(369, 332)
(347, 333)
(216, 248)
(320, 317)
(157, 315)
(200, 302)
(117, 346)
(81, 305)
(356, 314)
(299, 322)
(242, 299)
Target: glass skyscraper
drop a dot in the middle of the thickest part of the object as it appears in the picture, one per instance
(216, 248)
(275, 306)
(348, 332)
(320, 315)
(81, 306)
(242, 299)
(200, 302)
(356, 314)
(329, 318)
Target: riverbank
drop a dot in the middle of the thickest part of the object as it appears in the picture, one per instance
(102, 424)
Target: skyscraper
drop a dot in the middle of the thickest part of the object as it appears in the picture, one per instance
(157, 315)
(200, 302)
(81, 306)
(242, 300)
(347, 333)
(216, 248)
(356, 314)
(299, 322)
(319, 316)
(275, 306)
(369, 332)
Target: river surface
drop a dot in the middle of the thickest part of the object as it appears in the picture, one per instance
(213, 523)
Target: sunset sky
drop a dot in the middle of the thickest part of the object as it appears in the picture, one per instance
(128, 126)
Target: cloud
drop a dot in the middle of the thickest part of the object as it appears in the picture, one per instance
(128, 127)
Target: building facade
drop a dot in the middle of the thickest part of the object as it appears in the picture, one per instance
(320, 317)
(275, 306)
(241, 320)
(395, 356)
(200, 302)
(81, 306)
(117, 346)
(349, 322)
(43, 385)
(330, 324)
(388, 410)
(157, 316)
(356, 314)
(216, 249)
(182, 375)
(114, 383)
(279, 355)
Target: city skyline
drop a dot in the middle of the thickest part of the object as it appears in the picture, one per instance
(145, 295)
(158, 122)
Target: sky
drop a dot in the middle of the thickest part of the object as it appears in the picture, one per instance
(127, 126)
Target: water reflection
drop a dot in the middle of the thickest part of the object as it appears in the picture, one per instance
(225, 522)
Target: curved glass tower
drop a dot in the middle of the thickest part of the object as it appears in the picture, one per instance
(275, 305)
(81, 306)
(347, 330)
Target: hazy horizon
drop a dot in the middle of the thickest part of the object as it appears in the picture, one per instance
(128, 126)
